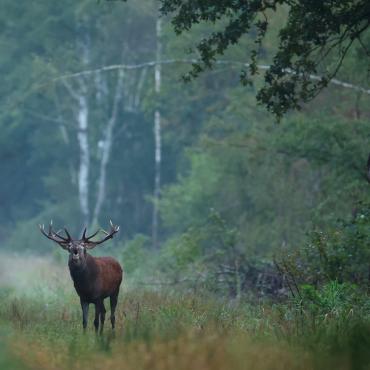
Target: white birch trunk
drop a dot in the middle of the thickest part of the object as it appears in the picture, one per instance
(82, 118)
(157, 135)
(83, 46)
(106, 149)
(84, 167)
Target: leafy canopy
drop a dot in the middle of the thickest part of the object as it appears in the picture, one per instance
(314, 39)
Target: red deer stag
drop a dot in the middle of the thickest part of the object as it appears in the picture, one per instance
(94, 278)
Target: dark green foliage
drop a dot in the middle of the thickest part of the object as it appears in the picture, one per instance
(339, 253)
(246, 197)
(213, 257)
(315, 38)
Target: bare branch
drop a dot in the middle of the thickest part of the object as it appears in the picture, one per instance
(263, 67)
(71, 91)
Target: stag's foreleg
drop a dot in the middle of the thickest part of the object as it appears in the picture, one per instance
(85, 313)
(97, 314)
(113, 304)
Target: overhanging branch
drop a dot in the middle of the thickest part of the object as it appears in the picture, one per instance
(153, 63)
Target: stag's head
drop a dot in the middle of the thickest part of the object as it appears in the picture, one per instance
(77, 247)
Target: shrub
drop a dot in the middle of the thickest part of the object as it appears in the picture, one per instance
(340, 253)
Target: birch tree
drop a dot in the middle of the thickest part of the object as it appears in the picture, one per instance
(83, 140)
(157, 133)
(80, 95)
(81, 113)
(106, 148)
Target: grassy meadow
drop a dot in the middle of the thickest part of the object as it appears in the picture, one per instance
(163, 329)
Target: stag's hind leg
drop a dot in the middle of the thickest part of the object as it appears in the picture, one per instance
(102, 315)
(113, 304)
(97, 313)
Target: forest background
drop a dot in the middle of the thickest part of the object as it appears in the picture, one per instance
(212, 194)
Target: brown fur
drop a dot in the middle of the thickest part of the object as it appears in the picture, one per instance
(95, 279)
(98, 278)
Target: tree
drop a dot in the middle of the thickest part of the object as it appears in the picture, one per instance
(157, 133)
(315, 39)
(67, 134)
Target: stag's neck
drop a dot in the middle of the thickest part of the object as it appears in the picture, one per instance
(84, 274)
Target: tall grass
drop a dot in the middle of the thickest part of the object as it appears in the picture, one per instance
(161, 330)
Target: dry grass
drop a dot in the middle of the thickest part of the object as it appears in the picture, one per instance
(155, 331)
(191, 351)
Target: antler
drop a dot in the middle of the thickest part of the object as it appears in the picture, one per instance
(86, 239)
(62, 241)
(91, 244)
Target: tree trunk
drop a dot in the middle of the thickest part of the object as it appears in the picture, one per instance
(83, 47)
(83, 141)
(106, 149)
(157, 136)
(82, 118)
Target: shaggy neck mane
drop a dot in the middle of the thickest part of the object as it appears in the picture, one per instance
(84, 273)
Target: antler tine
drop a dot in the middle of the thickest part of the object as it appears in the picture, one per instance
(67, 233)
(42, 228)
(55, 236)
(84, 234)
(51, 232)
(114, 229)
(86, 238)
(95, 233)
(61, 237)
